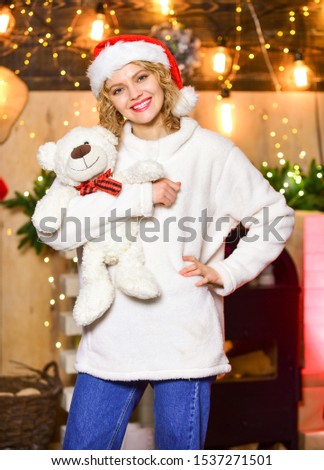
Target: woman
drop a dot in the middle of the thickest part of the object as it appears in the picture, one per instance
(175, 342)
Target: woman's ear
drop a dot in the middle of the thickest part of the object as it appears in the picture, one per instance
(46, 155)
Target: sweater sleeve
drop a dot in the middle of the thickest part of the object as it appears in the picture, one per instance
(249, 199)
(87, 217)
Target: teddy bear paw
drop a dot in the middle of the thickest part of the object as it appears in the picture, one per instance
(92, 303)
(141, 285)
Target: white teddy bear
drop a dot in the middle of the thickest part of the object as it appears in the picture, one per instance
(78, 159)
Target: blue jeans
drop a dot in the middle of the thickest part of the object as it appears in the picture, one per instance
(100, 411)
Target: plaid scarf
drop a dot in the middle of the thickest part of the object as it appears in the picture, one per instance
(103, 182)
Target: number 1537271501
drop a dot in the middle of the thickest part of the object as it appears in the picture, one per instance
(233, 459)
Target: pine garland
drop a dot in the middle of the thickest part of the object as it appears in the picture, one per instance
(302, 190)
(27, 203)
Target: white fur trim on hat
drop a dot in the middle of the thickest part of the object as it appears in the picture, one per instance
(186, 102)
(113, 58)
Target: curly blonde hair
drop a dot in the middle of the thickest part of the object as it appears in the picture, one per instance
(112, 119)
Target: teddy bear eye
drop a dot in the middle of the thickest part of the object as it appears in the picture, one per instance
(86, 143)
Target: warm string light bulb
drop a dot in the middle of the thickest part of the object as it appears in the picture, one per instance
(4, 22)
(98, 26)
(7, 21)
(166, 8)
(222, 61)
(300, 76)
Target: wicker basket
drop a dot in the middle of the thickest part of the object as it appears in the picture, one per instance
(27, 422)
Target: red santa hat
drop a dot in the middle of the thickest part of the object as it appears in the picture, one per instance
(113, 53)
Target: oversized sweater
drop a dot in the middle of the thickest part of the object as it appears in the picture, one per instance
(181, 333)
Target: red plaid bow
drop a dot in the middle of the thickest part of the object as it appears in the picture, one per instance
(103, 182)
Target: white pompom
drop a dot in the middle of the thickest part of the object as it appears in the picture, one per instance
(186, 102)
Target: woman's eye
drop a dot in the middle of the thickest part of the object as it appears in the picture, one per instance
(116, 91)
(141, 78)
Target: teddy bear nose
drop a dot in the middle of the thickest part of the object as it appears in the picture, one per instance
(80, 151)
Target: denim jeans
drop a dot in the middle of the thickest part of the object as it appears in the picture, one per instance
(100, 411)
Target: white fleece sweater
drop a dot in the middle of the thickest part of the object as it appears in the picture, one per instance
(180, 334)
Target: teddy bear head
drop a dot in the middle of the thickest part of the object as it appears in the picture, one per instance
(81, 155)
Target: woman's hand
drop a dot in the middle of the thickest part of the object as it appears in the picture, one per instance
(165, 191)
(210, 276)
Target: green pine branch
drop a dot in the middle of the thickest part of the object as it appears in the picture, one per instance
(302, 190)
(26, 204)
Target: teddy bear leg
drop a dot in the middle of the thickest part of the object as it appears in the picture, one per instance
(132, 276)
(96, 289)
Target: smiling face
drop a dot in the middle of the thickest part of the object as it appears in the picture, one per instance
(138, 96)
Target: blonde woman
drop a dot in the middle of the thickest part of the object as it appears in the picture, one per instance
(175, 342)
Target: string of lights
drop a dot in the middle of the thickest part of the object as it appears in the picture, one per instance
(263, 45)
(29, 27)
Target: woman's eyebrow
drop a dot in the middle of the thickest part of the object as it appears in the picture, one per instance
(114, 85)
(132, 77)
(137, 73)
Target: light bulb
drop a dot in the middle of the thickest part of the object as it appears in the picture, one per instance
(98, 26)
(299, 75)
(302, 74)
(222, 60)
(165, 7)
(4, 22)
(7, 21)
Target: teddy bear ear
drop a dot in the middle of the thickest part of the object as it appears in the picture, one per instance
(112, 139)
(46, 155)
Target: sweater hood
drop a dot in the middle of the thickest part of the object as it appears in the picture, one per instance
(163, 148)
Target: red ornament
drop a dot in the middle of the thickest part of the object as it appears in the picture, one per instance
(3, 189)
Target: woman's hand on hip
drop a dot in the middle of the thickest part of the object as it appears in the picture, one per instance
(165, 191)
(209, 275)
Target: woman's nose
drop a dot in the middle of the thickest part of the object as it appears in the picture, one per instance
(134, 92)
